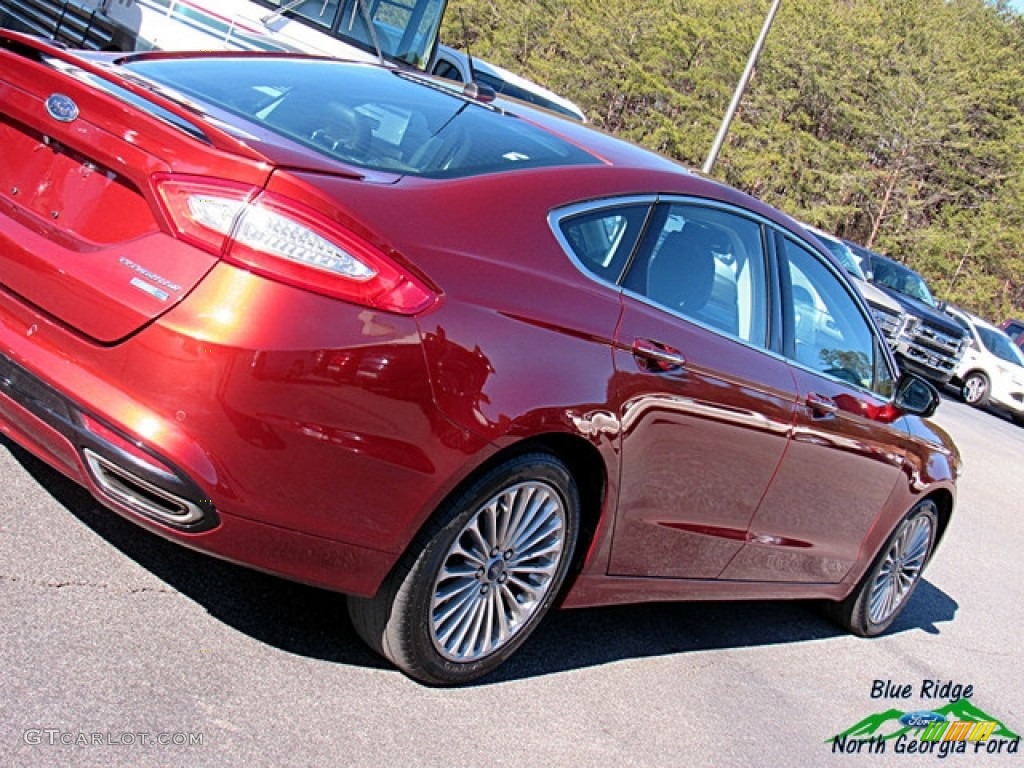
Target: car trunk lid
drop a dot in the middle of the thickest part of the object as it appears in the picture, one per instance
(82, 233)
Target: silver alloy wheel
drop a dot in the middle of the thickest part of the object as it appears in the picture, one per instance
(498, 571)
(974, 389)
(901, 568)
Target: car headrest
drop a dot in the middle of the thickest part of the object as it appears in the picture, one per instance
(682, 273)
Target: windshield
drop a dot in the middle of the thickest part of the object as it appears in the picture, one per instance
(1000, 345)
(405, 30)
(843, 255)
(902, 279)
(371, 117)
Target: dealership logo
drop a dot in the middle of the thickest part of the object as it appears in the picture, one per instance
(957, 727)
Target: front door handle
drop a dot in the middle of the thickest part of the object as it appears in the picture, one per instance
(657, 357)
(821, 406)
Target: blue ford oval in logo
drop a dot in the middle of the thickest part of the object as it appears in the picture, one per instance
(61, 108)
(921, 719)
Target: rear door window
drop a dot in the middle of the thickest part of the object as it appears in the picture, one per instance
(705, 264)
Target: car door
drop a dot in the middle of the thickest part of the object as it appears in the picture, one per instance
(844, 459)
(705, 409)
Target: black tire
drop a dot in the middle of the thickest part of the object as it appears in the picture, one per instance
(975, 389)
(437, 616)
(885, 590)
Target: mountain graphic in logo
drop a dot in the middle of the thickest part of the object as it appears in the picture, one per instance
(886, 725)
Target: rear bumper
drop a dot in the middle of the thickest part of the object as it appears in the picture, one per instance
(304, 444)
(50, 427)
(58, 430)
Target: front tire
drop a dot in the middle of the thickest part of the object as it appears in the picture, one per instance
(479, 578)
(975, 389)
(887, 586)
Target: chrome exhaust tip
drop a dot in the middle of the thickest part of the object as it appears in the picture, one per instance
(140, 495)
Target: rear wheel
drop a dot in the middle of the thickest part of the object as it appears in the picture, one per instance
(885, 589)
(477, 581)
(975, 389)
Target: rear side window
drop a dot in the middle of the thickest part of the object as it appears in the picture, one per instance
(707, 265)
(366, 116)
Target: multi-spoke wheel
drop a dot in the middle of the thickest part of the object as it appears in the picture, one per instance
(480, 577)
(975, 389)
(886, 587)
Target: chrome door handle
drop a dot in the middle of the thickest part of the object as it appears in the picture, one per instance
(820, 406)
(657, 357)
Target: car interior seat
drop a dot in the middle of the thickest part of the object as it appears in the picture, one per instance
(681, 274)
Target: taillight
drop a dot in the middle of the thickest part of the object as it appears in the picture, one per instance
(282, 239)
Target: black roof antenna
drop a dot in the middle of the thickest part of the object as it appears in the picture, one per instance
(472, 89)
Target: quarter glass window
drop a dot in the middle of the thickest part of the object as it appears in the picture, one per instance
(603, 240)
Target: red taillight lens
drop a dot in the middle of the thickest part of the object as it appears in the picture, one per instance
(287, 241)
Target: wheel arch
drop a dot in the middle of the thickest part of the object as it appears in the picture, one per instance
(584, 463)
(943, 500)
(975, 370)
(590, 472)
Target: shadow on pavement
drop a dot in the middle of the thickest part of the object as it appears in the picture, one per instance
(313, 623)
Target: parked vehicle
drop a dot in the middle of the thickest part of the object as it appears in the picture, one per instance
(991, 372)
(931, 343)
(404, 31)
(1015, 330)
(887, 311)
(569, 371)
(462, 68)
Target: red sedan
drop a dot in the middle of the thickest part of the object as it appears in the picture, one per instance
(460, 360)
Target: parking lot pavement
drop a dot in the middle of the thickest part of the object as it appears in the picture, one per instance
(119, 649)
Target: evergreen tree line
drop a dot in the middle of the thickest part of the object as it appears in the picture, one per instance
(895, 123)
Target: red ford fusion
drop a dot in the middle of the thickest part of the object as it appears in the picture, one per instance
(458, 359)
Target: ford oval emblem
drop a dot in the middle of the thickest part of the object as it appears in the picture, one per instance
(921, 719)
(61, 108)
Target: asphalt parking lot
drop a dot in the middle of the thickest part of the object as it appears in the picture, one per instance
(119, 649)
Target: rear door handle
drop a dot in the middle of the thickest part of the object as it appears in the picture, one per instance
(657, 357)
